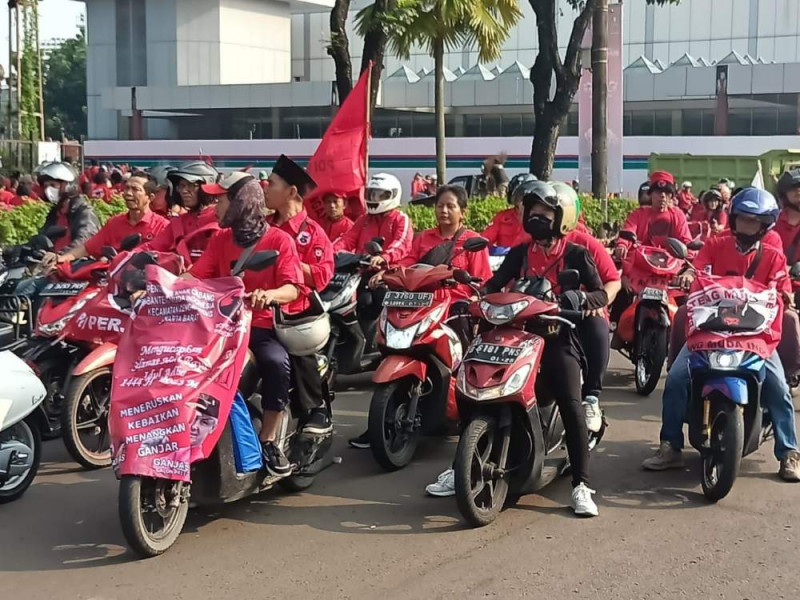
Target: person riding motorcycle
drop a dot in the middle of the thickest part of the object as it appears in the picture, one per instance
(138, 194)
(753, 213)
(505, 229)
(788, 225)
(289, 183)
(684, 199)
(162, 201)
(548, 217)
(242, 213)
(643, 195)
(186, 180)
(710, 214)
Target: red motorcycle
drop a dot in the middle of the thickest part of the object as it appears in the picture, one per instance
(513, 438)
(643, 330)
(414, 389)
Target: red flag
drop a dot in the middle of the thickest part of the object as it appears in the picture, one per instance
(338, 165)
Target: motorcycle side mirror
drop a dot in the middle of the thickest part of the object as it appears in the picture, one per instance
(40, 242)
(794, 272)
(261, 260)
(628, 236)
(373, 248)
(462, 276)
(141, 259)
(476, 244)
(695, 245)
(130, 242)
(380, 240)
(55, 232)
(108, 252)
(569, 279)
(677, 248)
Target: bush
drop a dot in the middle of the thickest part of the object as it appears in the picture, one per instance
(618, 211)
(21, 223)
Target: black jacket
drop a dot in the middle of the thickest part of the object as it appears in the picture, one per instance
(83, 223)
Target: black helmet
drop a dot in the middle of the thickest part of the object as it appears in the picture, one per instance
(643, 195)
(790, 179)
(713, 193)
(515, 182)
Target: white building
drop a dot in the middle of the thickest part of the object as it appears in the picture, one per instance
(236, 69)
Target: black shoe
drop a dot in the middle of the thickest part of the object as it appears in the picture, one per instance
(361, 442)
(275, 460)
(318, 422)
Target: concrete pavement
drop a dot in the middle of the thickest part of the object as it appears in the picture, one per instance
(362, 533)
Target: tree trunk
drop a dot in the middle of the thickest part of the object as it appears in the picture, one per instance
(339, 49)
(545, 140)
(438, 100)
(375, 47)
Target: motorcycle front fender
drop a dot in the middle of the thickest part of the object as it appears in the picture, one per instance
(395, 367)
(102, 356)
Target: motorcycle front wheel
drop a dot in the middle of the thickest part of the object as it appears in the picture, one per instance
(84, 419)
(152, 513)
(481, 488)
(392, 444)
(722, 461)
(650, 360)
(28, 454)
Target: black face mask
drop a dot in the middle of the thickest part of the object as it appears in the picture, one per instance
(746, 242)
(539, 228)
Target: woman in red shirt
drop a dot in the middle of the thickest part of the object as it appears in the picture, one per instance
(242, 213)
(712, 220)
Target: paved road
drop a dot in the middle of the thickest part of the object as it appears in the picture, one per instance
(361, 533)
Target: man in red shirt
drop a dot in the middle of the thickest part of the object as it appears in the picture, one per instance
(685, 199)
(505, 230)
(138, 194)
(335, 223)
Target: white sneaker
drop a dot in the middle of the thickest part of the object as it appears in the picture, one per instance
(582, 503)
(445, 485)
(594, 416)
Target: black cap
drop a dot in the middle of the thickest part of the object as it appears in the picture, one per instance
(294, 174)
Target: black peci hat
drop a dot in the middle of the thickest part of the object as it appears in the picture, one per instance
(294, 174)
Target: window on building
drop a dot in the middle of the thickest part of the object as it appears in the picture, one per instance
(571, 125)
(787, 122)
(663, 123)
(765, 121)
(424, 124)
(739, 121)
(511, 125)
(491, 126)
(131, 30)
(472, 125)
(642, 123)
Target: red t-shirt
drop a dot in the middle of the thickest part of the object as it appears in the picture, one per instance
(506, 230)
(602, 259)
(335, 229)
(788, 233)
(6, 197)
(222, 253)
(313, 246)
(119, 227)
(182, 226)
(720, 256)
(652, 228)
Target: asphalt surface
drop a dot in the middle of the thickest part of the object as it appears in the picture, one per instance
(362, 533)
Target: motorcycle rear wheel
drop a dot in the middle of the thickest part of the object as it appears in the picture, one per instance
(392, 446)
(721, 463)
(650, 361)
(85, 413)
(480, 492)
(149, 524)
(28, 435)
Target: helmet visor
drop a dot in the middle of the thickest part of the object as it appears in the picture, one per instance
(377, 196)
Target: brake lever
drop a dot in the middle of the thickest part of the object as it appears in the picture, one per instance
(559, 319)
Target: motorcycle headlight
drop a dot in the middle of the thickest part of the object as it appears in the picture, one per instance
(399, 339)
(512, 386)
(498, 314)
(434, 317)
(723, 360)
(517, 380)
(56, 327)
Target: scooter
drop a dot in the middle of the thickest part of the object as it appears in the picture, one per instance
(347, 350)
(152, 508)
(414, 381)
(21, 422)
(730, 322)
(513, 438)
(642, 333)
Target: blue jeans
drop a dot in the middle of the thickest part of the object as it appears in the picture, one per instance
(775, 396)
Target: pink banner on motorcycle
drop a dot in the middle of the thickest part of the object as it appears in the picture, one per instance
(177, 373)
(733, 313)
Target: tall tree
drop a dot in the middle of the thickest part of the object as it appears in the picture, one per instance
(65, 88)
(550, 107)
(436, 25)
(339, 48)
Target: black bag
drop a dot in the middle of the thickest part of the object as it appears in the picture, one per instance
(443, 253)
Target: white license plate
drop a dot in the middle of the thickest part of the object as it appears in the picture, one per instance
(64, 288)
(652, 294)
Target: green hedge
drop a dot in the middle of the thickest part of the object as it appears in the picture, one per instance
(23, 222)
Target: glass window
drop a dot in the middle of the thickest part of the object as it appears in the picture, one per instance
(472, 125)
(663, 123)
(787, 122)
(572, 127)
(642, 123)
(131, 30)
(692, 122)
(491, 126)
(383, 123)
(405, 125)
(511, 125)
(739, 122)
(708, 122)
(424, 124)
(528, 124)
(765, 121)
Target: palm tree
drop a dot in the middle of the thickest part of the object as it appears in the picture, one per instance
(439, 24)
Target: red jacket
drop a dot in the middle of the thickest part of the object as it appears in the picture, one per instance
(602, 259)
(313, 247)
(394, 227)
(720, 256)
(685, 201)
(652, 228)
(335, 229)
(184, 225)
(788, 234)
(506, 230)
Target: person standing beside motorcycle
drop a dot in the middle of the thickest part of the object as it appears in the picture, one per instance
(242, 216)
(548, 218)
(505, 230)
(753, 213)
(199, 213)
(288, 184)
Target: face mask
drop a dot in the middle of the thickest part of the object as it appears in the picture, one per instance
(52, 194)
(747, 241)
(539, 228)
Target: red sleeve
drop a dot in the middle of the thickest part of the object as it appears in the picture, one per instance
(403, 234)
(288, 269)
(206, 266)
(416, 252)
(780, 273)
(164, 241)
(322, 257)
(631, 224)
(681, 230)
(94, 245)
(602, 260)
(348, 241)
(479, 264)
(492, 231)
(704, 257)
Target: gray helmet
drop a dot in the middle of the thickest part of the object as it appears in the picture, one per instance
(516, 181)
(160, 174)
(790, 179)
(195, 171)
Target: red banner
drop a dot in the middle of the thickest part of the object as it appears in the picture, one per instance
(733, 313)
(339, 164)
(176, 374)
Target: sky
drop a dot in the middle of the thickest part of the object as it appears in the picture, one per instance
(57, 19)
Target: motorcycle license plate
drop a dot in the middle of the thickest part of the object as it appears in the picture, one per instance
(339, 279)
(493, 354)
(407, 299)
(652, 294)
(64, 288)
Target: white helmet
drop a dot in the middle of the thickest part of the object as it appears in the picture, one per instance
(383, 193)
(303, 336)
